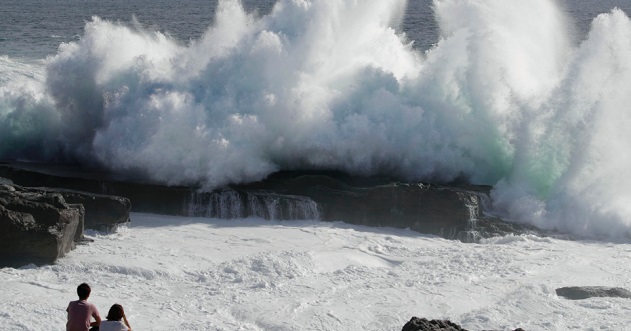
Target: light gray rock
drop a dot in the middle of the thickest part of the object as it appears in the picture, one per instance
(585, 292)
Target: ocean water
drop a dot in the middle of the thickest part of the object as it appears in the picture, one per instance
(178, 273)
(531, 97)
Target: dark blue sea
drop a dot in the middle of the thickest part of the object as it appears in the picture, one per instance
(35, 28)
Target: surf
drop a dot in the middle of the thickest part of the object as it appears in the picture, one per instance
(501, 99)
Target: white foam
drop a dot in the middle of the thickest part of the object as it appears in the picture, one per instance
(503, 99)
(574, 160)
(200, 274)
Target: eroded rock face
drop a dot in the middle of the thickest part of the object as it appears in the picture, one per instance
(431, 209)
(585, 292)
(423, 324)
(453, 212)
(40, 225)
(448, 211)
(102, 212)
(36, 228)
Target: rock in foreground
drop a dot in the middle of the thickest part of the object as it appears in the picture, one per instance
(102, 212)
(40, 225)
(423, 324)
(36, 228)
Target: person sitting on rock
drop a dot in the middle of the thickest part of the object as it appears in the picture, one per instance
(114, 317)
(80, 312)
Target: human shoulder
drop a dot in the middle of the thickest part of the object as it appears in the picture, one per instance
(113, 326)
(76, 303)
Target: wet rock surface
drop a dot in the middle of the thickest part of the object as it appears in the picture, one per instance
(423, 324)
(40, 225)
(453, 212)
(585, 292)
(102, 212)
(36, 228)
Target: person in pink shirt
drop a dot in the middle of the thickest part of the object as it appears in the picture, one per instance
(81, 312)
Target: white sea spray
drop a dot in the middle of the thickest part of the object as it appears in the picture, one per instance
(504, 98)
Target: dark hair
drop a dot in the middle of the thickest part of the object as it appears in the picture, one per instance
(116, 313)
(83, 291)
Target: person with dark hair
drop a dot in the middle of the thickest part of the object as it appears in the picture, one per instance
(114, 317)
(81, 312)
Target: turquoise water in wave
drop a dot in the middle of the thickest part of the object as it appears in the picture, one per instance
(529, 97)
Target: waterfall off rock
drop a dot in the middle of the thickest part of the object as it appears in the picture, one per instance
(453, 212)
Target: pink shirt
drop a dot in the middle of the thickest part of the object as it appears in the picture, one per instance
(80, 313)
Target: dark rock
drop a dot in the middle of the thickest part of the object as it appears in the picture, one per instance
(585, 292)
(102, 212)
(423, 324)
(424, 208)
(146, 197)
(36, 228)
(40, 225)
(453, 212)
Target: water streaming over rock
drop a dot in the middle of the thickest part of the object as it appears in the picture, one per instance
(228, 203)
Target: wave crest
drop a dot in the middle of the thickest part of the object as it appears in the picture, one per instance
(502, 99)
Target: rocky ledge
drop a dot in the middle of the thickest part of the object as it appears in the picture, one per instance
(40, 225)
(423, 324)
(451, 211)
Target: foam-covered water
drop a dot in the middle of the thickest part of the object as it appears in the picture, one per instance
(181, 273)
(510, 95)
